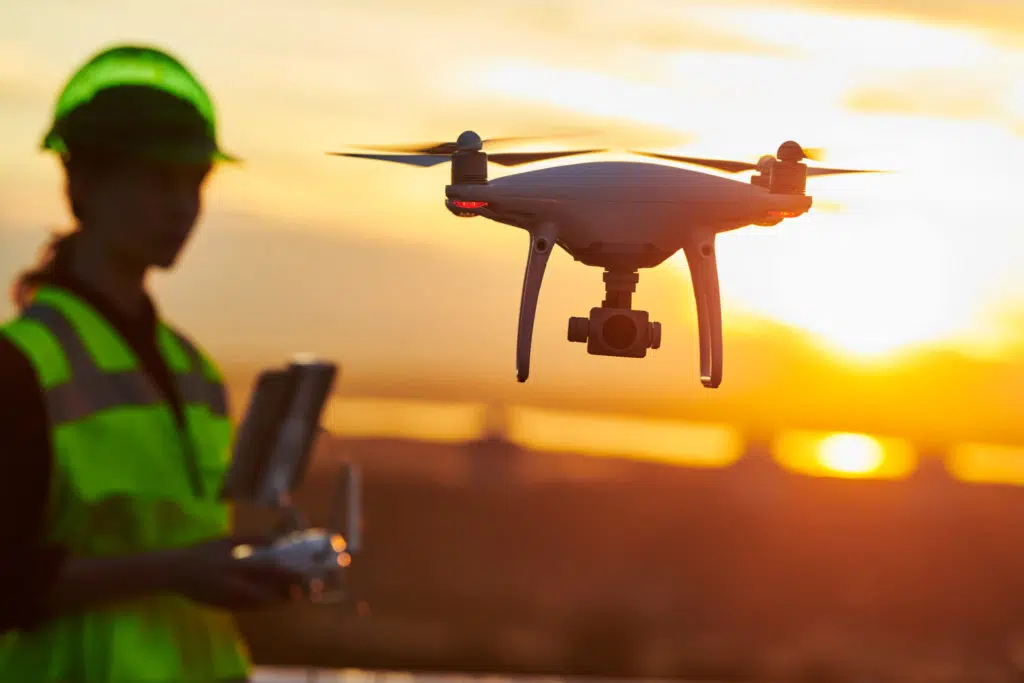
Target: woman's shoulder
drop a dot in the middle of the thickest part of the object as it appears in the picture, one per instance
(19, 384)
(15, 366)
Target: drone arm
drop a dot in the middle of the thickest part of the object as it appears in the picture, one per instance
(542, 242)
(704, 272)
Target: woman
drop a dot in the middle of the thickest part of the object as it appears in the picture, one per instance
(115, 438)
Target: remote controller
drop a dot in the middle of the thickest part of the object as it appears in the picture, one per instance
(313, 553)
(271, 456)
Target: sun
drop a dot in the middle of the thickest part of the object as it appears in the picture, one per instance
(866, 286)
(850, 454)
(845, 455)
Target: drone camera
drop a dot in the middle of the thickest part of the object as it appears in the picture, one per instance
(620, 332)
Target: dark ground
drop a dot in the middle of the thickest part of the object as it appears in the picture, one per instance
(487, 558)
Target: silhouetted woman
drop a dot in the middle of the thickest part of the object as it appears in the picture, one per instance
(115, 435)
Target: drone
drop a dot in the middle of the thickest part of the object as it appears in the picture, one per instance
(621, 216)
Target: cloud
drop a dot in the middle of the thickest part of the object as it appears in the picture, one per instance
(649, 25)
(1002, 19)
(571, 26)
(359, 41)
(357, 65)
(944, 93)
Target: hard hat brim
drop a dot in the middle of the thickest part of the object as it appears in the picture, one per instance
(188, 150)
(198, 153)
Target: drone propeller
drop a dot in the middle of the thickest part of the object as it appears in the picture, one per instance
(431, 154)
(464, 142)
(790, 151)
(813, 171)
(814, 153)
(501, 158)
(720, 164)
(424, 160)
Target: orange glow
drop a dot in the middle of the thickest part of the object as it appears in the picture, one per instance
(851, 456)
(987, 463)
(437, 421)
(694, 445)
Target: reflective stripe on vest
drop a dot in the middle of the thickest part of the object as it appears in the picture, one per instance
(127, 478)
(91, 390)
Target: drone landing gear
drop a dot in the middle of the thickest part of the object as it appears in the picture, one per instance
(704, 272)
(542, 242)
(614, 328)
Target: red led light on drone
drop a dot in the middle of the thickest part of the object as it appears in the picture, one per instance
(783, 214)
(468, 205)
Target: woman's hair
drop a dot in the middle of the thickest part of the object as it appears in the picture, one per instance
(52, 256)
(55, 252)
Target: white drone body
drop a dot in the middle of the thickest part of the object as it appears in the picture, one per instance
(622, 216)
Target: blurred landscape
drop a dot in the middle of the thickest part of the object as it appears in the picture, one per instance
(484, 556)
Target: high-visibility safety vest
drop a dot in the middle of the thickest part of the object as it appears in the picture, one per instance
(126, 479)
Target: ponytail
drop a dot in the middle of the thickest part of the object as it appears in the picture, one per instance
(54, 253)
(53, 256)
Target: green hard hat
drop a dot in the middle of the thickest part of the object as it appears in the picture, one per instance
(138, 102)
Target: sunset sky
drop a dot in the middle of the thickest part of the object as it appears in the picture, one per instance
(358, 260)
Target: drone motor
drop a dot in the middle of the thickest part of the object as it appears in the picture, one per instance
(763, 177)
(788, 177)
(469, 161)
(783, 173)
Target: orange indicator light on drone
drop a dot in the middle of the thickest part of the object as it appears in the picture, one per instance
(459, 204)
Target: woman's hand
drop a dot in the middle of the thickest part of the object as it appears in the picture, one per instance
(208, 573)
